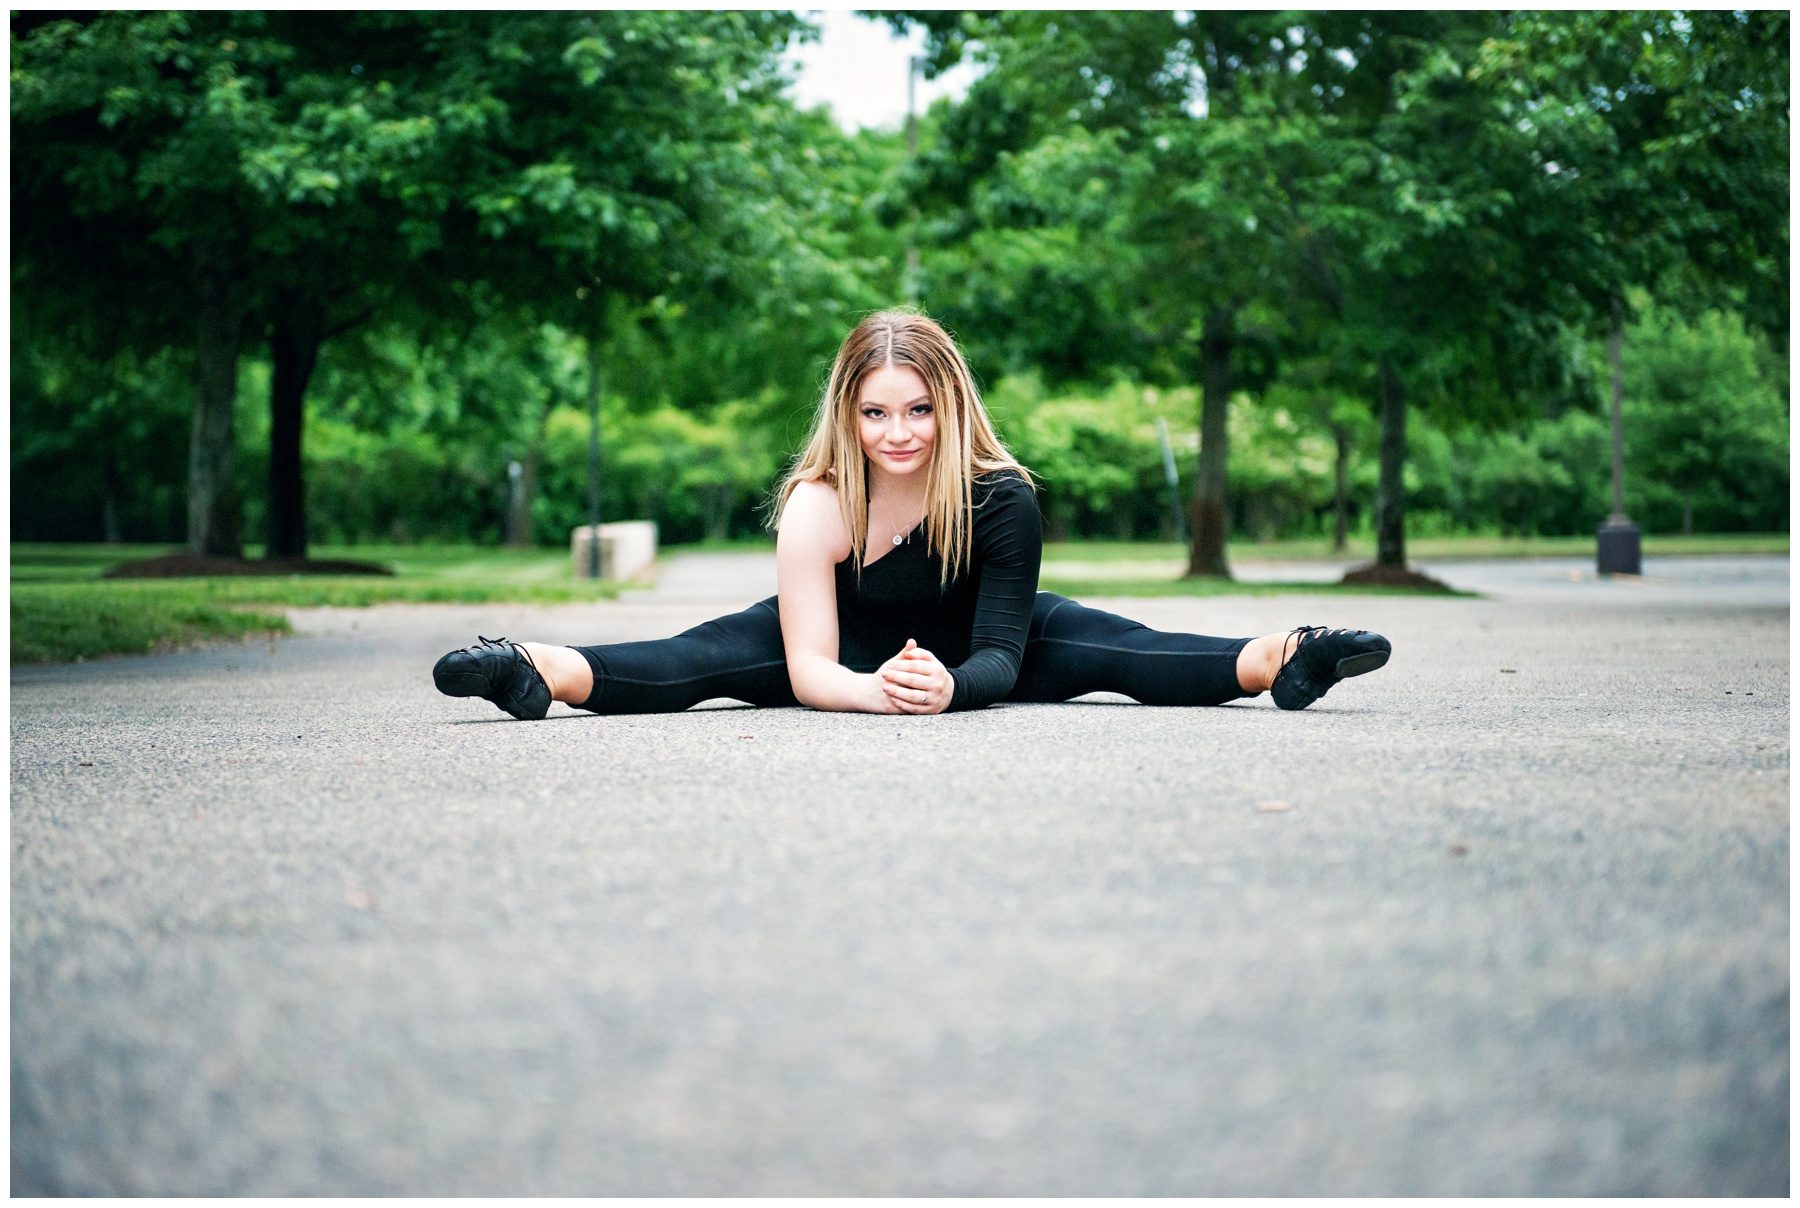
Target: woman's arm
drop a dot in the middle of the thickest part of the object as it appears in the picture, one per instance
(809, 544)
(1010, 541)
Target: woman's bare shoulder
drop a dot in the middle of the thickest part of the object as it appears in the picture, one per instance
(812, 520)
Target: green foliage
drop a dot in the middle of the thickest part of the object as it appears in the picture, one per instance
(1097, 456)
(99, 447)
(1099, 459)
(507, 198)
(302, 172)
(1706, 430)
(413, 455)
(1542, 480)
(1546, 477)
(605, 140)
(1662, 139)
(698, 477)
(1281, 471)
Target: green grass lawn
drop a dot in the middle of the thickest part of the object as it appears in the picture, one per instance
(1313, 549)
(1165, 586)
(60, 623)
(62, 610)
(422, 573)
(1117, 568)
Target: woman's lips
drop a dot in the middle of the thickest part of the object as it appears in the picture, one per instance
(899, 454)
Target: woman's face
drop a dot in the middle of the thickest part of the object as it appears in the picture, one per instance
(896, 420)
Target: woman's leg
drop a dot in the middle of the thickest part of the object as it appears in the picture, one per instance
(1072, 649)
(740, 656)
(565, 672)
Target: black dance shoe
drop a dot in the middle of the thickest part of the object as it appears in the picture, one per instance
(497, 670)
(1321, 658)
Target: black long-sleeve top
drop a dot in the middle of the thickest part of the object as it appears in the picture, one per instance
(976, 624)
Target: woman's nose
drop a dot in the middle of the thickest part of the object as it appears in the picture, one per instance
(898, 432)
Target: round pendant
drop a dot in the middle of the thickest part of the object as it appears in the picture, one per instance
(896, 538)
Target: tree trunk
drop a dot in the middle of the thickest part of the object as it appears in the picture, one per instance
(1390, 494)
(299, 330)
(1340, 498)
(1206, 553)
(215, 513)
(1687, 512)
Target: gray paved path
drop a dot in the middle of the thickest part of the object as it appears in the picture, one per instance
(287, 922)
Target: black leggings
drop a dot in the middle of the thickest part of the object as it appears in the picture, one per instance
(1070, 650)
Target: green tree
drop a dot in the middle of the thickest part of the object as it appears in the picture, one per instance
(1663, 142)
(1143, 156)
(124, 175)
(309, 168)
(1413, 227)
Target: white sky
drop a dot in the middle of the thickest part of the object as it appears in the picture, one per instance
(858, 68)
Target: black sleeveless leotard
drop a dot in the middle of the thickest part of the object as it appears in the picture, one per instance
(977, 624)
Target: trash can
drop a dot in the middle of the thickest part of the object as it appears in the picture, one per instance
(1621, 550)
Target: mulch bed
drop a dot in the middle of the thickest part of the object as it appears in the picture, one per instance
(195, 566)
(1376, 575)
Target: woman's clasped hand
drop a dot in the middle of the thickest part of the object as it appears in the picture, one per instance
(915, 682)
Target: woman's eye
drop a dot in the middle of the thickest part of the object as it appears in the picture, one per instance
(871, 414)
(922, 409)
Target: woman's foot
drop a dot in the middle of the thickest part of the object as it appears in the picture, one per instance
(1315, 658)
(497, 670)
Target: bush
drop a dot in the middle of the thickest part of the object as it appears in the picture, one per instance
(1097, 456)
(409, 443)
(1706, 427)
(696, 476)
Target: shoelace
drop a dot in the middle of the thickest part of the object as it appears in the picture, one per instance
(1303, 634)
(502, 643)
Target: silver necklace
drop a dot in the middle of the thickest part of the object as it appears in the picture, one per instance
(898, 537)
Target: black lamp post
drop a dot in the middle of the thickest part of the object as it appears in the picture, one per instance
(592, 570)
(1620, 549)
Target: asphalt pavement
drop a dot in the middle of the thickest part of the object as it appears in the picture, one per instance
(1509, 916)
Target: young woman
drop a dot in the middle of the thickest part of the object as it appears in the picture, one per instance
(907, 565)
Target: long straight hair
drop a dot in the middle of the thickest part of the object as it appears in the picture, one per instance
(966, 445)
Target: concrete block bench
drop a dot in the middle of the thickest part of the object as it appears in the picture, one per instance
(627, 548)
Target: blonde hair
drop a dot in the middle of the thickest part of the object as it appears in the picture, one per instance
(966, 445)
